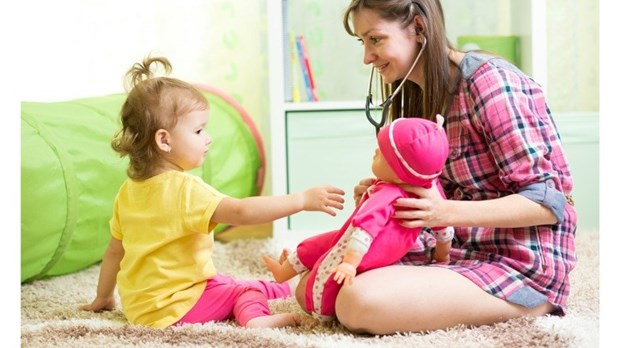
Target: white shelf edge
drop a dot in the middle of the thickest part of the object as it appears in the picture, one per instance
(325, 105)
(277, 162)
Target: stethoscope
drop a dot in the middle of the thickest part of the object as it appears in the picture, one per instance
(386, 104)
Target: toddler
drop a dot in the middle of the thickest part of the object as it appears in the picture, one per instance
(160, 253)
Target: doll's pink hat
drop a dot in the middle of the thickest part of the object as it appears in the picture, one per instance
(415, 148)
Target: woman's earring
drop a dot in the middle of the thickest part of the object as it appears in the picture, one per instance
(440, 121)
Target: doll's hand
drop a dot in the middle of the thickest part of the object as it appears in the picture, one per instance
(323, 198)
(100, 304)
(359, 189)
(344, 272)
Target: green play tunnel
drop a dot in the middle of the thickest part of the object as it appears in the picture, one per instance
(70, 175)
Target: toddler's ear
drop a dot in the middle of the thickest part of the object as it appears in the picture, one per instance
(162, 139)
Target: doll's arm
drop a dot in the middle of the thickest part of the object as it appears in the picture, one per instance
(347, 269)
(356, 248)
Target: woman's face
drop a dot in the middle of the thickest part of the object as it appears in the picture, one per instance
(390, 48)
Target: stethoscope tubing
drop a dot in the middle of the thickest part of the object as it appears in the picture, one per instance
(388, 102)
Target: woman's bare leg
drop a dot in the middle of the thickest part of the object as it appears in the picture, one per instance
(411, 299)
(300, 292)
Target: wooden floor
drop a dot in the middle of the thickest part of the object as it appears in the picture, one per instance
(244, 232)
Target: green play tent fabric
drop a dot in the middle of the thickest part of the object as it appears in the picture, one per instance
(70, 175)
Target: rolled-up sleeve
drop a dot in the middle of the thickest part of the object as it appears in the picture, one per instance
(522, 138)
(546, 194)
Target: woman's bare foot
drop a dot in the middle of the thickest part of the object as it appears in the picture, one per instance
(275, 320)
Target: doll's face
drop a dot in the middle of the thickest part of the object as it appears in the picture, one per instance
(382, 170)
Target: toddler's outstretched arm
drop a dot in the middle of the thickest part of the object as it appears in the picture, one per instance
(262, 209)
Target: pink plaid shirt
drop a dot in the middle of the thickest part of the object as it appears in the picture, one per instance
(503, 140)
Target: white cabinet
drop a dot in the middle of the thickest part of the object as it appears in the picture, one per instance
(330, 141)
(325, 142)
(327, 147)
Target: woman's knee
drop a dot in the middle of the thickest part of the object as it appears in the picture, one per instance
(352, 305)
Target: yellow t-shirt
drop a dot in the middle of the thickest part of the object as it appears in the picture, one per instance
(165, 226)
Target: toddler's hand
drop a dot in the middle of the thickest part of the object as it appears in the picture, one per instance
(323, 198)
(100, 304)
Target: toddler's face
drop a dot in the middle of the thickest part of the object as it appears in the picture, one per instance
(189, 140)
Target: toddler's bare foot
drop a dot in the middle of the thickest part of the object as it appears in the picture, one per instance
(274, 321)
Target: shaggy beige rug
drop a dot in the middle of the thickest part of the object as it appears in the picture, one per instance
(50, 316)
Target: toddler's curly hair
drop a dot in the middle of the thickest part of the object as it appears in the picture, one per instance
(152, 103)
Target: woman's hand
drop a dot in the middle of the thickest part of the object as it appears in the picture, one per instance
(428, 210)
(360, 188)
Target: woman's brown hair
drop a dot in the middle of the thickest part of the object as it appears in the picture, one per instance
(436, 95)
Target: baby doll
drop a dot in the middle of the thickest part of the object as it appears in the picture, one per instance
(410, 151)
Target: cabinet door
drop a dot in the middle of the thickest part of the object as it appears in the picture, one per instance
(327, 147)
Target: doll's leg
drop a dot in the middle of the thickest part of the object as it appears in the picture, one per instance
(320, 294)
(313, 248)
(328, 299)
(321, 288)
(284, 255)
(300, 260)
(281, 271)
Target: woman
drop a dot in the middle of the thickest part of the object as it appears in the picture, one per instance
(506, 179)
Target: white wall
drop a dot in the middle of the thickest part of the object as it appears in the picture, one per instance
(75, 48)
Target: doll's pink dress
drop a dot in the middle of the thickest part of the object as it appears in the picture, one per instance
(322, 253)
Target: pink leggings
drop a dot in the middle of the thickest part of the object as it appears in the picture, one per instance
(226, 297)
